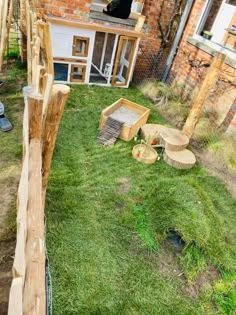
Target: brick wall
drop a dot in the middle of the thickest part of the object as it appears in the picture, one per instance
(69, 9)
(154, 10)
(189, 69)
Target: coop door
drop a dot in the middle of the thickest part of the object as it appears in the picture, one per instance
(123, 61)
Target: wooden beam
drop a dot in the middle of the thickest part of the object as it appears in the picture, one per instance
(52, 120)
(96, 27)
(206, 87)
(140, 22)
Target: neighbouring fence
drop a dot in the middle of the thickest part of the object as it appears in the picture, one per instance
(6, 14)
(44, 105)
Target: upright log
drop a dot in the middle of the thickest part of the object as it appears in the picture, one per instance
(208, 83)
(1, 10)
(35, 108)
(46, 48)
(34, 295)
(3, 36)
(9, 19)
(29, 39)
(52, 120)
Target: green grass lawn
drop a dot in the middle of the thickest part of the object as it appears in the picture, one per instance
(108, 218)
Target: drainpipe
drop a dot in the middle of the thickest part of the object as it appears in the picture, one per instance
(178, 36)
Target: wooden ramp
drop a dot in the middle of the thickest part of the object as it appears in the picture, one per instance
(110, 132)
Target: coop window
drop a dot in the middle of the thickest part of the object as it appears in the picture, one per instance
(61, 71)
(217, 19)
(80, 46)
(78, 73)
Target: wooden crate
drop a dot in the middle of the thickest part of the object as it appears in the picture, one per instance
(129, 130)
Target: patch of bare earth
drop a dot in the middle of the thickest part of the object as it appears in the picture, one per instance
(165, 261)
(124, 185)
(8, 187)
(7, 249)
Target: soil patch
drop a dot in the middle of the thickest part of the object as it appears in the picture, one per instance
(204, 279)
(6, 259)
(124, 185)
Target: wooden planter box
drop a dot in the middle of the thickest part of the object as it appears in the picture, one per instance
(132, 114)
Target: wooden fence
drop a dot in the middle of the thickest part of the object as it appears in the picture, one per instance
(6, 14)
(44, 105)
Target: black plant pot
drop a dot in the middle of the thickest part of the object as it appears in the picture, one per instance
(207, 36)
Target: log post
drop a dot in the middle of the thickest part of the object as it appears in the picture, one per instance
(208, 83)
(46, 47)
(35, 108)
(52, 120)
(1, 10)
(34, 295)
(29, 48)
(3, 37)
(9, 19)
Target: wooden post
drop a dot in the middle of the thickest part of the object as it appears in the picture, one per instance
(29, 39)
(139, 24)
(53, 116)
(208, 83)
(46, 48)
(34, 295)
(9, 19)
(1, 10)
(3, 32)
(35, 103)
(15, 297)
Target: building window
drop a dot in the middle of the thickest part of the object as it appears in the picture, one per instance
(216, 23)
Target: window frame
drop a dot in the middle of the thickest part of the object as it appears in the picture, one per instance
(86, 49)
(201, 21)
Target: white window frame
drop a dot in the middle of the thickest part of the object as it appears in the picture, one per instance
(215, 46)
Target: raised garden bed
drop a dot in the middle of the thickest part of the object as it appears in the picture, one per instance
(131, 114)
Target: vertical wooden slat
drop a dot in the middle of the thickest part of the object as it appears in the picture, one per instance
(29, 48)
(15, 297)
(53, 116)
(46, 47)
(3, 32)
(35, 62)
(34, 295)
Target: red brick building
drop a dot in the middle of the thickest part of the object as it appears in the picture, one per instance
(195, 53)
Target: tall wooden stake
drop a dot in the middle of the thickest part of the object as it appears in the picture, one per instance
(3, 37)
(34, 296)
(208, 83)
(53, 116)
(46, 48)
